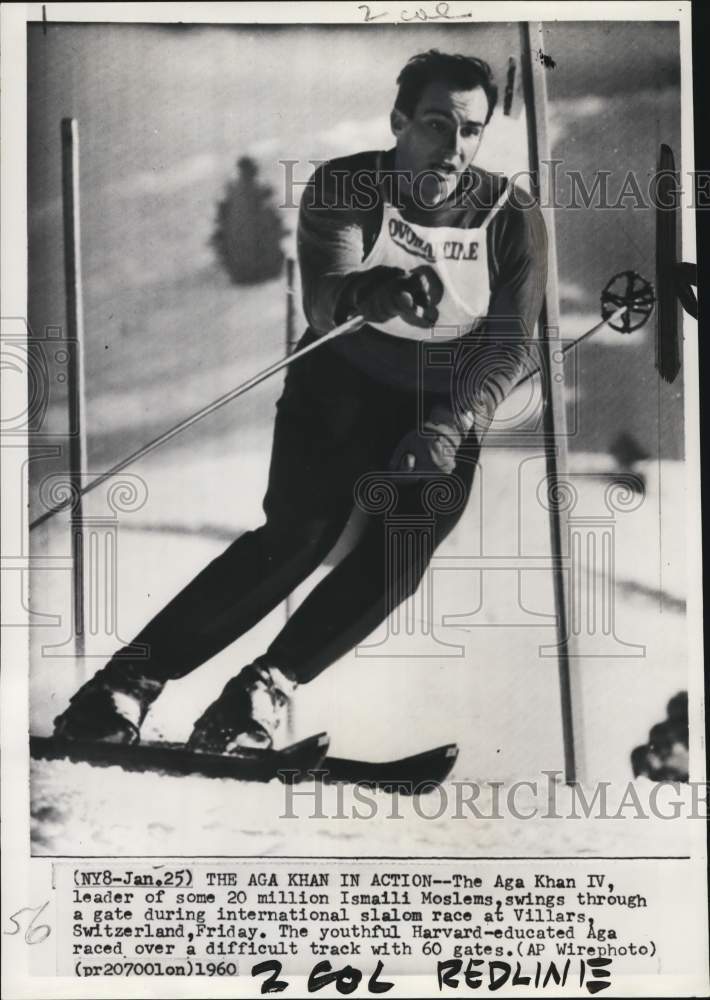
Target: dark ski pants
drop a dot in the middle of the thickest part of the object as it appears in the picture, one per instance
(333, 426)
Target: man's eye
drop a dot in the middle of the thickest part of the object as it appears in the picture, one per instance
(437, 126)
(468, 132)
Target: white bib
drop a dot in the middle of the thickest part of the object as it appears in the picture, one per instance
(459, 257)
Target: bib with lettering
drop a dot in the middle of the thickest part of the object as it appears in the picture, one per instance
(459, 257)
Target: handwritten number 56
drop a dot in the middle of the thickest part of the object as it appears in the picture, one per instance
(34, 933)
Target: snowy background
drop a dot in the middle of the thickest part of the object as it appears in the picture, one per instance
(164, 113)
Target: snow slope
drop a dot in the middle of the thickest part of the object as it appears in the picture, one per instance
(489, 688)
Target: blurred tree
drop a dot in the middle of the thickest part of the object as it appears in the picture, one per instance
(248, 230)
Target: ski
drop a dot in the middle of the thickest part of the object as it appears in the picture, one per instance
(413, 775)
(291, 763)
(302, 761)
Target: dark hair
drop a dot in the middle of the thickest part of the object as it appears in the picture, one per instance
(461, 72)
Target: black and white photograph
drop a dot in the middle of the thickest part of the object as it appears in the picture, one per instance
(352, 510)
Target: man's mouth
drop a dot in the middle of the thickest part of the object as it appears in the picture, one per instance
(443, 169)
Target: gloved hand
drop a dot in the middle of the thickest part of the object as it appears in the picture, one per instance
(384, 293)
(433, 450)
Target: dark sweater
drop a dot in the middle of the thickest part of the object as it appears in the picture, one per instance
(339, 221)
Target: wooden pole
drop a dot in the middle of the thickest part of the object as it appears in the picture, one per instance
(554, 416)
(291, 341)
(75, 374)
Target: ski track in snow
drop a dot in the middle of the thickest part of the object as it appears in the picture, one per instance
(92, 811)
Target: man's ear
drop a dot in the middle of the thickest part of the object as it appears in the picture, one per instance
(398, 121)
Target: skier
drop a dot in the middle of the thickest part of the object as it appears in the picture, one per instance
(429, 250)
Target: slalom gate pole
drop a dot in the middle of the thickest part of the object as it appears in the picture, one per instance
(75, 369)
(554, 417)
(291, 342)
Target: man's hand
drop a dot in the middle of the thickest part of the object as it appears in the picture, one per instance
(433, 450)
(414, 297)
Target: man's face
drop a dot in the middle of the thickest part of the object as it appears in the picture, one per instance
(441, 138)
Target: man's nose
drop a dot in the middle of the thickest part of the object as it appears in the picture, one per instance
(455, 145)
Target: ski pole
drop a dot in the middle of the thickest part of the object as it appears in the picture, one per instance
(348, 327)
(568, 347)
